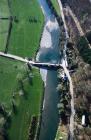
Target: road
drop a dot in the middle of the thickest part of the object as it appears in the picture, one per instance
(63, 18)
(72, 100)
(11, 56)
(66, 32)
(64, 64)
(34, 63)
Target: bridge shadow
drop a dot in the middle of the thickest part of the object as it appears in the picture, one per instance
(47, 67)
(54, 68)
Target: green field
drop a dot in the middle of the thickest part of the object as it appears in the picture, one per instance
(56, 6)
(4, 9)
(4, 25)
(9, 73)
(27, 103)
(21, 89)
(26, 32)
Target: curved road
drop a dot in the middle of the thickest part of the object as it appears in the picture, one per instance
(64, 64)
(72, 101)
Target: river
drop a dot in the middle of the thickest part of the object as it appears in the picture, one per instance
(49, 52)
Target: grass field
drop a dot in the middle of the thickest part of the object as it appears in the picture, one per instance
(56, 6)
(26, 33)
(26, 105)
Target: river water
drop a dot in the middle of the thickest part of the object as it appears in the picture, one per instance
(49, 52)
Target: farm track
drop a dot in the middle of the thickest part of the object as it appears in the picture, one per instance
(81, 32)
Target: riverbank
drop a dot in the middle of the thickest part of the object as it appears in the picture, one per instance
(56, 6)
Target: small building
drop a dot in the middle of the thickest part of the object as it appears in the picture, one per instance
(83, 120)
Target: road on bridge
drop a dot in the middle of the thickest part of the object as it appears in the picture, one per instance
(34, 63)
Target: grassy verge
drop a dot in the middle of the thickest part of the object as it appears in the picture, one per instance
(27, 28)
(56, 6)
(21, 93)
(61, 134)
